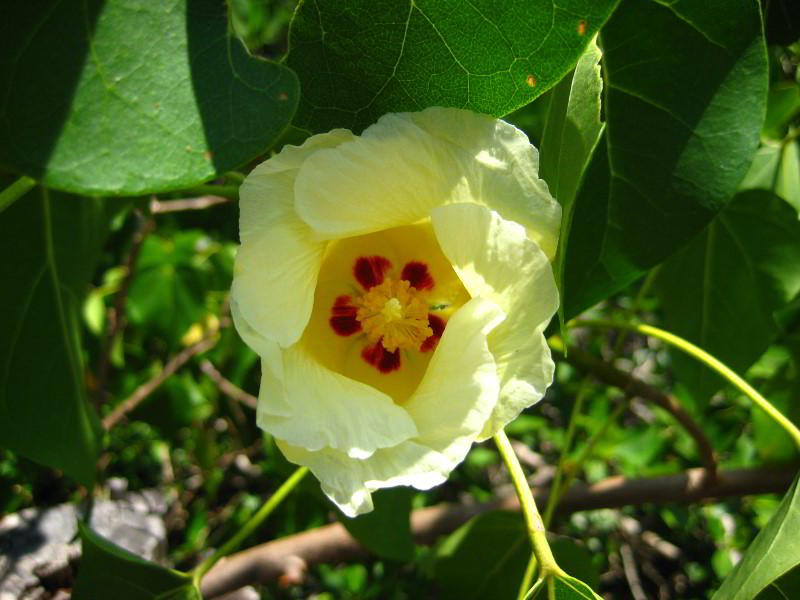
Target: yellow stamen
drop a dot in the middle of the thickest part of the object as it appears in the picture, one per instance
(393, 313)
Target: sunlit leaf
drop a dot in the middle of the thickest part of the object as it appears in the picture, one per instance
(129, 97)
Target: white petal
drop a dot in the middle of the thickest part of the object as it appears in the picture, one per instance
(450, 407)
(407, 163)
(278, 261)
(329, 410)
(496, 260)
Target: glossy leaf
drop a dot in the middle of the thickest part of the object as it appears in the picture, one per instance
(108, 571)
(130, 97)
(770, 569)
(678, 76)
(722, 290)
(571, 132)
(359, 60)
(386, 530)
(563, 588)
(50, 244)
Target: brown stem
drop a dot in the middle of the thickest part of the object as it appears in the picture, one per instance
(286, 558)
(159, 207)
(226, 387)
(116, 321)
(633, 386)
(148, 387)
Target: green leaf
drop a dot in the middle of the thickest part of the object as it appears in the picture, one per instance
(50, 246)
(487, 556)
(776, 167)
(783, 104)
(168, 289)
(128, 97)
(386, 530)
(677, 76)
(108, 571)
(571, 132)
(360, 60)
(569, 588)
(770, 569)
(722, 290)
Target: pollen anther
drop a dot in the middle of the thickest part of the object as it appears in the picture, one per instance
(393, 314)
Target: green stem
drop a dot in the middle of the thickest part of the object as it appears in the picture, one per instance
(527, 578)
(15, 191)
(704, 357)
(536, 532)
(226, 191)
(251, 525)
(235, 177)
(552, 500)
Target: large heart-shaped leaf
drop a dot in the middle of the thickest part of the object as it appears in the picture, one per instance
(770, 569)
(50, 245)
(130, 97)
(359, 60)
(722, 290)
(108, 571)
(686, 87)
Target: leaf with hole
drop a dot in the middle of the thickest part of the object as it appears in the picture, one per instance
(359, 60)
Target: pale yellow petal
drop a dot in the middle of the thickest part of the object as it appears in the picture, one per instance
(450, 407)
(496, 260)
(278, 261)
(329, 410)
(348, 482)
(525, 369)
(460, 387)
(408, 163)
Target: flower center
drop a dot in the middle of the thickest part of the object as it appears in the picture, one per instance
(393, 314)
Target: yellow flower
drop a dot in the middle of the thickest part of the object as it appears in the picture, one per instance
(396, 286)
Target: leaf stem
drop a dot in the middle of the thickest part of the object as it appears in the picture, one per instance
(226, 191)
(536, 532)
(16, 190)
(251, 525)
(705, 358)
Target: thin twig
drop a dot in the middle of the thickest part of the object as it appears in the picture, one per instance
(148, 387)
(331, 543)
(226, 387)
(116, 321)
(631, 573)
(633, 386)
(159, 207)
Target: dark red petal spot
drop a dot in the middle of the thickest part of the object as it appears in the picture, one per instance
(431, 341)
(380, 358)
(416, 273)
(343, 316)
(369, 270)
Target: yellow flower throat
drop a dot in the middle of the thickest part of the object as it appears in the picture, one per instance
(393, 313)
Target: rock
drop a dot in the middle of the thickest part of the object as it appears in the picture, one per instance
(39, 547)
